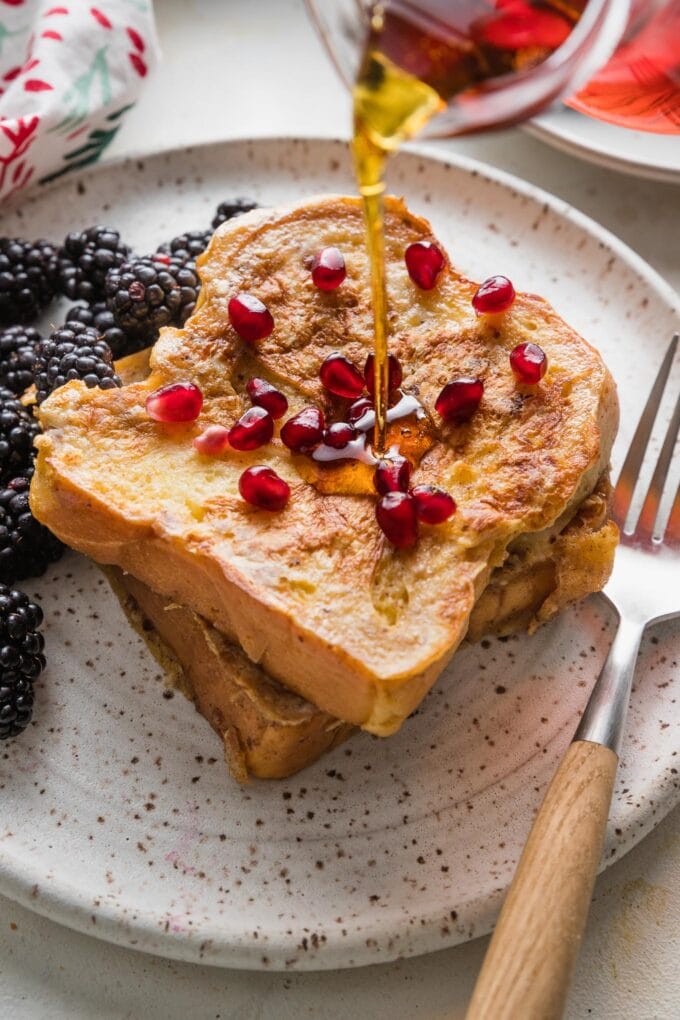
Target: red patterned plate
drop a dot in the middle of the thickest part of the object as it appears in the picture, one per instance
(640, 86)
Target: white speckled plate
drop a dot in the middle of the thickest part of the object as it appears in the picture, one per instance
(118, 815)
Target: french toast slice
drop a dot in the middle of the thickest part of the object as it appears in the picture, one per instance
(269, 732)
(314, 594)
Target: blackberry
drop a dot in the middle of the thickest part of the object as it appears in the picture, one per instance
(146, 294)
(100, 317)
(85, 259)
(26, 547)
(234, 207)
(17, 354)
(21, 659)
(73, 352)
(27, 272)
(187, 247)
(18, 429)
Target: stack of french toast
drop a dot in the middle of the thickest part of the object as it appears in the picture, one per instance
(291, 629)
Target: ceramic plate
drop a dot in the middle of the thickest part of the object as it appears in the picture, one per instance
(119, 817)
(639, 153)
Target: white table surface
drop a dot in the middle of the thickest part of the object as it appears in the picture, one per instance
(236, 68)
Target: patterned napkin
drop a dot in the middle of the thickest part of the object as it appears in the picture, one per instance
(68, 74)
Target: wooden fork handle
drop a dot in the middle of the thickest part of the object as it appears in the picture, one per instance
(527, 968)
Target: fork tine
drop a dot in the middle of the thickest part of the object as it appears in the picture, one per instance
(672, 533)
(650, 507)
(625, 486)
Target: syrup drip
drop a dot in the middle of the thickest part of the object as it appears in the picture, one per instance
(356, 449)
(349, 471)
(405, 406)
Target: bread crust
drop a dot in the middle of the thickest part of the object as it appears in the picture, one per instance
(269, 732)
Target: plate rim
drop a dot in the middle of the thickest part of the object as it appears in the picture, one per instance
(20, 884)
(550, 134)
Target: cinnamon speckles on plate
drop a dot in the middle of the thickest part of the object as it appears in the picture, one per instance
(119, 817)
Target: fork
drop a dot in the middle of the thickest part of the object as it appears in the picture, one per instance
(528, 965)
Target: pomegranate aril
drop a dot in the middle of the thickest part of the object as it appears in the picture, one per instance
(394, 373)
(521, 26)
(213, 441)
(341, 377)
(459, 399)
(251, 319)
(263, 394)
(328, 269)
(262, 487)
(396, 515)
(529, 363)
(178, 402)
(494, 295)
(392, 474)
(339, 434)
(252, 430)
(304, 430)
(424, 262)
(359, 408)
(433, 505)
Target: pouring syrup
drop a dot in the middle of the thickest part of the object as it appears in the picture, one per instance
(418, 59)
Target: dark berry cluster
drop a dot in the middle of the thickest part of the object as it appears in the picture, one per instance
(73, 352)
(232, 207)
(186, 247)
(148, 293)
(17, 354)
(85, 259)
(18, 429)
(100, 318)
(27, 279)
(26, 547)
(33, 272)
(21, 659)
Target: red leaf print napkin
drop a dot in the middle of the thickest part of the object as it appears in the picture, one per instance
(68, 74)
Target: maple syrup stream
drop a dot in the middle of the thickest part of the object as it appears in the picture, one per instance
(408, 46)
(389, 107)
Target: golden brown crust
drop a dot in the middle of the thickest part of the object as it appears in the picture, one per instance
(314, 594)
(545, 573)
